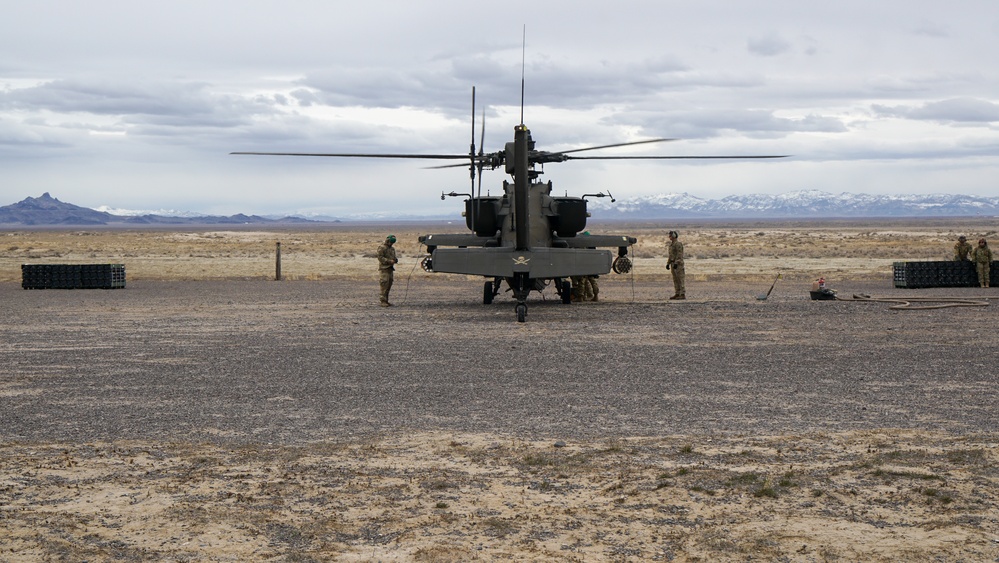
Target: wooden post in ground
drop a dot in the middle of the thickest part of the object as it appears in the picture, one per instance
(277, 263)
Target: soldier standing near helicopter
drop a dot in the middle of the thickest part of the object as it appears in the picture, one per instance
(982, 257)
(386, 266)
(675, 263)
(962, 249)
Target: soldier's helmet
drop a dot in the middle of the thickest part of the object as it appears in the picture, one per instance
(962, 239)
(390, 238)
(982, 241)
(674, 234)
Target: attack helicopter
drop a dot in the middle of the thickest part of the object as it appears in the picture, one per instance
(525, 237)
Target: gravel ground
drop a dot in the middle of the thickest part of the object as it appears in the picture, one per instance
(291, 363)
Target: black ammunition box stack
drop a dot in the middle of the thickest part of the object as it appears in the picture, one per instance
(950, 273)
(72, 276)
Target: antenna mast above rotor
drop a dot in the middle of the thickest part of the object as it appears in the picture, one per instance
(523, 64)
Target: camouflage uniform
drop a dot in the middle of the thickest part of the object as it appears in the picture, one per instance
(588, 287)
(982, 257)
(577, 288)
(594, 288)
(386, 266)
(962, 249)
(675, 262)
(584, 288)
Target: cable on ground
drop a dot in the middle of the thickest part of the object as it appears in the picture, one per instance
(907, 303)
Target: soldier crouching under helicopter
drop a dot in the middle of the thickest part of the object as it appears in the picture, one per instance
(593, 291)
(585, 288)
(386, 266)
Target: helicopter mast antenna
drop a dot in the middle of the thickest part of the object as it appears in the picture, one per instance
(471, 150)
(523, 64)
(482, 143)
(471, 158)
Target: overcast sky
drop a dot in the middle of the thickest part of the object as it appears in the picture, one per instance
(136, 104)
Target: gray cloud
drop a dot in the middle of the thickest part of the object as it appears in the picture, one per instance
(699, 124)
(769, 45)
(961, 110)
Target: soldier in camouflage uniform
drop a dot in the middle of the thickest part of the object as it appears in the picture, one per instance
(594, 288)
(982, 257)
(581, 288)
(576, 293)
(962, 248)
(588, 284)
(584, 288)
(675, 263)
(386, 266)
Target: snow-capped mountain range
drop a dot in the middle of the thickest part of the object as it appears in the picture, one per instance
(811, 204)
(800, 204)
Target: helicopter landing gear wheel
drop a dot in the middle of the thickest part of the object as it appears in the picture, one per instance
(521, 312)
(487, 293)
(566, 292)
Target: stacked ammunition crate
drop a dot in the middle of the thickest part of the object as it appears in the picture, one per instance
(940, 274)
(72, 276)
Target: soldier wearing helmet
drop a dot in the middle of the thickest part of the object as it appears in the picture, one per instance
(962, 248)
(674, 262)
(386, 266)
(982, 257)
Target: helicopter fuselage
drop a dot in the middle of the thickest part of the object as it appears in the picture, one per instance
(526, 237)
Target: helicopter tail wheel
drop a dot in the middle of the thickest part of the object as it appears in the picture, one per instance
(521, 312)
(487, 293)
(427, 263)
(622, 265)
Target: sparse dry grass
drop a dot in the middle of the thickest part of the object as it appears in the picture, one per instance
(859, 250)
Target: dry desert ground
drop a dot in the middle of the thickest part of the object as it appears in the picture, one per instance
(208, 412)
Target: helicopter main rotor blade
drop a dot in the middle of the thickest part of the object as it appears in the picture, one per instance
(617, 145)
(675, 157)
(362, 155)
(547, 158)
(481, 161)
(446, 166)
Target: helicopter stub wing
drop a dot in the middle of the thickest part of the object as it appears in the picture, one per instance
(596, 241)
(457, 240)
(537, 263)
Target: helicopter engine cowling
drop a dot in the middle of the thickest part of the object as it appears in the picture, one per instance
(482, 215)
(570, 216)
